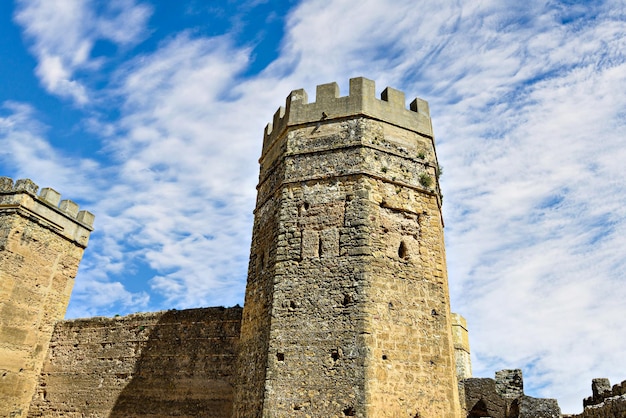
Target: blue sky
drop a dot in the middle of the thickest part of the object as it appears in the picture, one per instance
(150, 114)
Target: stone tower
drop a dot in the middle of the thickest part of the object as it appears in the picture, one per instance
(347, 307)
(41, 245)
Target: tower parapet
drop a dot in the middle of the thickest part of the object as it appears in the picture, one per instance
(62, 216)
(361, 100)
(42, 239)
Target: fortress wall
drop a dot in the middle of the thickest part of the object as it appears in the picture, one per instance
(163, 364)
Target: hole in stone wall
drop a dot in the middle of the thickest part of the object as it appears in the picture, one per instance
(349, 412)
(335, 355)
(297, 407)
(319, 247)
(385, 357)
(434, 313)
(306, 206)
(293, 305)
(478, 410)
(403, 251)
(280, 356)
(347, 299)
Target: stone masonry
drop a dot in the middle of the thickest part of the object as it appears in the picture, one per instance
(347, 310)
(161, 364)
(42, 240)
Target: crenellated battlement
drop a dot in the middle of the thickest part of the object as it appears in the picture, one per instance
(361, 100)
(63, 216)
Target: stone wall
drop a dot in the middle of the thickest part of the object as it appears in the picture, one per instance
(42, 240)
(163, 364)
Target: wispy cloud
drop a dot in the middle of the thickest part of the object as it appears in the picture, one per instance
(63, 33)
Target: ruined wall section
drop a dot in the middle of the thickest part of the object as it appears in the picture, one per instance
(42, 240)
(503, 397)
(350, 186)
(163, 364)
(605, 401)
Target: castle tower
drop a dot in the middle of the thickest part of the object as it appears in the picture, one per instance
(41, 244)
(347, 307)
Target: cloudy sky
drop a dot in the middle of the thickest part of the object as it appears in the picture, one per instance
(150, 115)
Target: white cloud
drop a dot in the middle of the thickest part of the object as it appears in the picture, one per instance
(62, 34)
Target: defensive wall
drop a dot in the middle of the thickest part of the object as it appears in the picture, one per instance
(162, 364)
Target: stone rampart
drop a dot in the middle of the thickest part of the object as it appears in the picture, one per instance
(163, 364)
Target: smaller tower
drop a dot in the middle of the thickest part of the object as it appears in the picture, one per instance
(460, 336)
(42, 240)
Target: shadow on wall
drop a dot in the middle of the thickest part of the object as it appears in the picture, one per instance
(186, 368)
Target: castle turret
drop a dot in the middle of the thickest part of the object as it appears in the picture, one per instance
(42, 240)
(460, 336)
(347, 307)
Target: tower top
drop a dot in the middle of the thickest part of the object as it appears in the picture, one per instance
(391, 108)
(47, 208)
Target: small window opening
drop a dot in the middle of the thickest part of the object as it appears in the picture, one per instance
(349, 412)
(403, 251)
(306, 205)
(280, 356)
